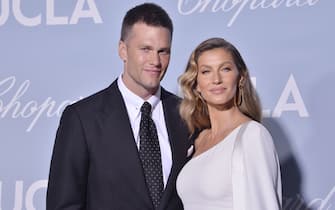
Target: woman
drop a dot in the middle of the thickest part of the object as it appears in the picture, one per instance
(235, 165)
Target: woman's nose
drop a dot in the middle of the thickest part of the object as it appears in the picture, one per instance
(217, 78)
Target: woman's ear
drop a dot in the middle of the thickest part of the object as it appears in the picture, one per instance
(241, 82)
(123, 51)
(198, 89)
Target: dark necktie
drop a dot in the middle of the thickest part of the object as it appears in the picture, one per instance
(150, 155)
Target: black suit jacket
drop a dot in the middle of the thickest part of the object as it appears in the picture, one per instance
(95, 163)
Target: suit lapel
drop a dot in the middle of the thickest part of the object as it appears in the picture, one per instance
(177, 135)
(119, 135)
(118, 128)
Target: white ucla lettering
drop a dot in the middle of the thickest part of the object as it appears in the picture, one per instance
(4, 13)
(34, 21)
(265, 112)
(50, 16)
(18, 195)
(41, 184)
(253, 81)
(298, 105)
(79, 12)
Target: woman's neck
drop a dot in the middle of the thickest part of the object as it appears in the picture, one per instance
(223, 121)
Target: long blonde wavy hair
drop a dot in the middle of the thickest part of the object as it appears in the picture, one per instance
(193, 108)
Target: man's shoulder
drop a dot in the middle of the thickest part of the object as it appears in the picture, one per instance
(169, 96)
(96, 100)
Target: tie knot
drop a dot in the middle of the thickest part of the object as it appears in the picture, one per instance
(146, 108)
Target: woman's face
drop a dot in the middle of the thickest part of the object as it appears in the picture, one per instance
(217, 78)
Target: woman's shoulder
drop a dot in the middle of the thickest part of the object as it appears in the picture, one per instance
(254, 127)
(255, 134)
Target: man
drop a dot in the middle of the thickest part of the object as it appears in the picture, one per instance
(98, 161)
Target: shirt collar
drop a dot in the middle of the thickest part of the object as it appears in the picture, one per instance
(134, 100)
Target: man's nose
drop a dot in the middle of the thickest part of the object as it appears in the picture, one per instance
(155, 59)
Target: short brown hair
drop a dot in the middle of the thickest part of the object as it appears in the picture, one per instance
(148, 13)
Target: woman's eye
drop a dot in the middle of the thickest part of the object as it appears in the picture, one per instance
(226, 69)
(205, 71)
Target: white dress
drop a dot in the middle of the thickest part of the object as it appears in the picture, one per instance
(241, 172)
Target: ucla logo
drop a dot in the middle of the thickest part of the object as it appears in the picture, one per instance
(82, 9)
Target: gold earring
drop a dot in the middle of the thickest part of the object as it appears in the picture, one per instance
(239, 99)
(198, 95)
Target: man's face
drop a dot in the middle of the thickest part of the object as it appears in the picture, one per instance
(146, 55)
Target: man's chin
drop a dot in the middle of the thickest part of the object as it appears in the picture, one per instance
(152, 87)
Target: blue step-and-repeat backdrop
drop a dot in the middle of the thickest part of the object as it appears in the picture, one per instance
(55, 52)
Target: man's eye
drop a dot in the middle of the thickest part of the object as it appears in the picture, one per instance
(146, 49)
(164, 52)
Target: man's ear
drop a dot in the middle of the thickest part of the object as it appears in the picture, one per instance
(123, 51)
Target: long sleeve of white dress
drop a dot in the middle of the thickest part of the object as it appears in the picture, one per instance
(255, 170)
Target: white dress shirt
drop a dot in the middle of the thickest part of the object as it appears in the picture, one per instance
(133, 104)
